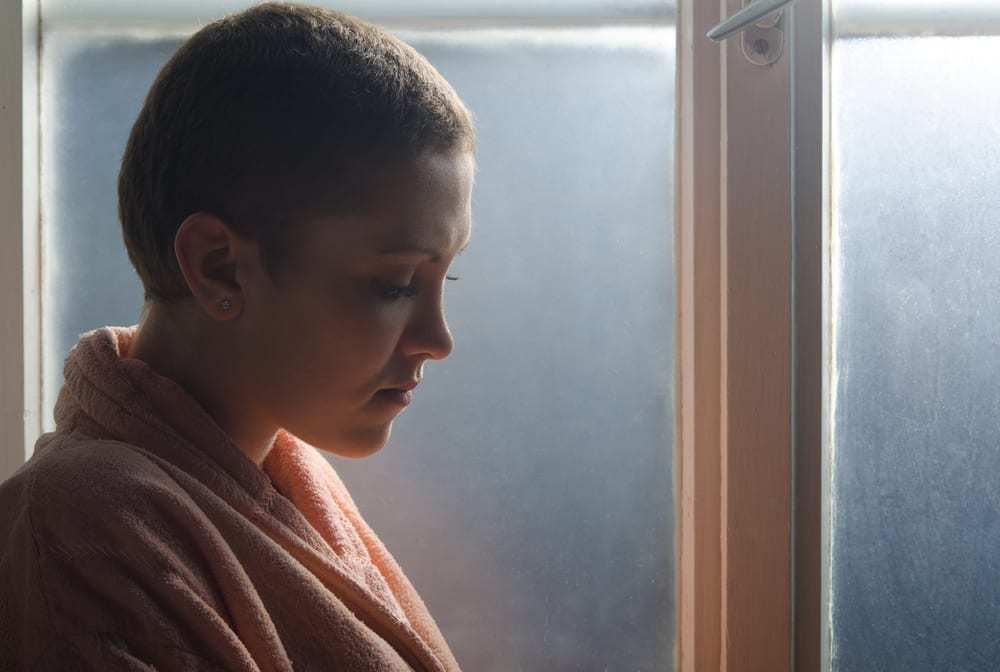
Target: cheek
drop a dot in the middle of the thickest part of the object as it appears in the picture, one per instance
(349, 348)
(370, 325)
(341, 338)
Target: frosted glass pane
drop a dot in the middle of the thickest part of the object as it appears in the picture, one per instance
(916, 503)
(915, 17)
(528, 489)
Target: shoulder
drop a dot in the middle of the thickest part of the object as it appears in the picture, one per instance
(81, 471)
(84, 525)
(106, 651)
(81, 489)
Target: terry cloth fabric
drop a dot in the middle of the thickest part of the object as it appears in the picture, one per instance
(140, 537)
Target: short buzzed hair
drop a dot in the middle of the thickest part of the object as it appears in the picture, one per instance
(268, 115)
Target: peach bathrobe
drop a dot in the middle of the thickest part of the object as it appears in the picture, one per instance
(139, 537)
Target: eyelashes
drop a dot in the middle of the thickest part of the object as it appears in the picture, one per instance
(393, 292)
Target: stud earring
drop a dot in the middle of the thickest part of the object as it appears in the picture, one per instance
(225, 304)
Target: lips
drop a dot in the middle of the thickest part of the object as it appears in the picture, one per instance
(405, 387)
(396, 396)
(399, 394)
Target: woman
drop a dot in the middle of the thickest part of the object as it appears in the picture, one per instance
(292, 194)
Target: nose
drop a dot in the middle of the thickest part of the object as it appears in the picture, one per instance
(427, 333)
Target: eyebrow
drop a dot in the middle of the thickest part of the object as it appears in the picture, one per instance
(410, 249)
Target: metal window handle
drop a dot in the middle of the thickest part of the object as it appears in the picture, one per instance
(745, 18)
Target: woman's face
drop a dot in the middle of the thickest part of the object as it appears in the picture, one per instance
(320, 346)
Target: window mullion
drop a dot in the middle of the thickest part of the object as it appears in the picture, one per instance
(698, 468)
(735, 458)
(810, 194)
(756, 292)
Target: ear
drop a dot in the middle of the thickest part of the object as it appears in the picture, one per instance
(210, 255)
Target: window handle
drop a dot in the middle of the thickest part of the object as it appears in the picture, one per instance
(745, 18)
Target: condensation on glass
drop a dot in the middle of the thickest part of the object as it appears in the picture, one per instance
(915, 571)
(528, 490)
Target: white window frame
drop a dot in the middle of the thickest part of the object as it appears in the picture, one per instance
(20, 354)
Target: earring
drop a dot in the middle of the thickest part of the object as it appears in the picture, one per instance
(225, 304)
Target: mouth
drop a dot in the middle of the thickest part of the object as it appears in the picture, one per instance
(396, 396)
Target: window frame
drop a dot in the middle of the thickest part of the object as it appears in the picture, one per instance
(20, 358)
(811, 333)
(753, 273)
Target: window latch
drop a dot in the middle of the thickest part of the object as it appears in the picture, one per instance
(760, 23)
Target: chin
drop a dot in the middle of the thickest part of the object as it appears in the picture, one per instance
(357, 444)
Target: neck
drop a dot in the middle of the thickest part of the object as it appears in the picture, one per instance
(179, 343)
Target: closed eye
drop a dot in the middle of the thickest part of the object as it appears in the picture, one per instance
(393, 292)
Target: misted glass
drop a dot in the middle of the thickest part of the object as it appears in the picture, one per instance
(915, 572)
(528, 490)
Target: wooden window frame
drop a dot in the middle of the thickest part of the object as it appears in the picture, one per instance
(752, 275)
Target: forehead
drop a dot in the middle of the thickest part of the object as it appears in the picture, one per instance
(424, 204)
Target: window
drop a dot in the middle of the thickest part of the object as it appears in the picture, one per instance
(915, 156)
(832, 261)
(528, 492)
